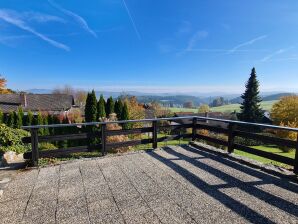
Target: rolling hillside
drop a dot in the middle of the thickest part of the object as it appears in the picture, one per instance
(266, 105)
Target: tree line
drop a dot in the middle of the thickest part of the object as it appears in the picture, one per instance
(101, 109)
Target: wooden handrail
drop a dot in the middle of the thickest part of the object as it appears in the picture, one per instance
(193, 122)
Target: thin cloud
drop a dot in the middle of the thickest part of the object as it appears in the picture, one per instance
(132, 20)
(82, 22)
(9, 17)
(195, 38)
(280, 51)
(199, 35)
(250, 42)
(42, 18)
(224, 50)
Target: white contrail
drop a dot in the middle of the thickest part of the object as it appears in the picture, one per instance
(246, 43)
(280, 51)
(131, 19)
(82, 22)
(10, 17)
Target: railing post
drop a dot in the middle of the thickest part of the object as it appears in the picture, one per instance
(103, 139)
(296, 158)
(34, 146)
(194, 128)
(231, 137)
(154, 134)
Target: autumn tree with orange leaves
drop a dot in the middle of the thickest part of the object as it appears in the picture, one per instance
(3, 89)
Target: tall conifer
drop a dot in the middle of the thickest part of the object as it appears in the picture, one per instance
(101, 108)
(118, 108)
(91, 107)
(250, 107)
(110, 106)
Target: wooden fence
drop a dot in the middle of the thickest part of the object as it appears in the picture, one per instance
(232, 129)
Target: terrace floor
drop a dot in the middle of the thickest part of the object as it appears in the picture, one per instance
(177, 184)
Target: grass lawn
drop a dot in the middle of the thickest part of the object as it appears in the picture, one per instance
(268, 148)
(266, 105)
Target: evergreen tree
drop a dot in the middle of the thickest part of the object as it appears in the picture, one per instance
(19, 118)
(118, 108)
(15, 119)
(10, 119)
(91, 107)
(46, 131)
(125, 116)
(29, 118)
(250, 107)
(56, 131)
(110, 106)
(1, 117)
(101, 108)
(39, 121)
(51, 121)
(91, 116)
(64, 144)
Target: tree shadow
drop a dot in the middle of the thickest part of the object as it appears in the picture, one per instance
(214, 191)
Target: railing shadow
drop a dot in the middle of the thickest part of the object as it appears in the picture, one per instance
(265, 178)
(235, 205)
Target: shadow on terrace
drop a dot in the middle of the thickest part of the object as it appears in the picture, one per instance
(235, 191)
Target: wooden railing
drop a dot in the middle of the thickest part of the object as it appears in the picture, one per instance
(231, 128)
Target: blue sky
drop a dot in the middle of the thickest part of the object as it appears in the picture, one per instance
(149, 46)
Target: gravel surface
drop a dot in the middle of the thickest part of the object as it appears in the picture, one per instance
(177, 184)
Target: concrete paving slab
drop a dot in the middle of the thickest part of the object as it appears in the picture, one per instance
(178, 184)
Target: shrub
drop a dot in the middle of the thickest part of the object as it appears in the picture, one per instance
(117, 138)
(11, 139)
(247, 142)
(291, 135)
(220, 137)
(213, 135)
(46, 146)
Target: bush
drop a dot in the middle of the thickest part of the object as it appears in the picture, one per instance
(247, 141)
(117, 138)
(11, 139)
(46, 146)
(220, 137)
(213, 135)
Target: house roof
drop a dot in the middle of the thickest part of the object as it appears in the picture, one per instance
(36, 102)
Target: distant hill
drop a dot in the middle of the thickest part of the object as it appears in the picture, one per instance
(177, 100)
(276, 96)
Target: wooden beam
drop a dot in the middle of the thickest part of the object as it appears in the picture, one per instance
(154, 134)
(265, 154)
(214, 140)
(267, 139)
(296, 157)
(231, 137)
(213, 128)
(129, 131)
(128, 143)
(103, 139)
(34, 146)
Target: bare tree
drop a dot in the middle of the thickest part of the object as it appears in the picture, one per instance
(79, 95)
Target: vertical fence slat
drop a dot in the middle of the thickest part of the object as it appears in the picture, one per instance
(154, 134)
(194, 128)
(34, 146)
(296, 158)
(103, 139)
(231, 138)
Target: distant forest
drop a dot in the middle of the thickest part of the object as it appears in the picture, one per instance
(180, 100)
